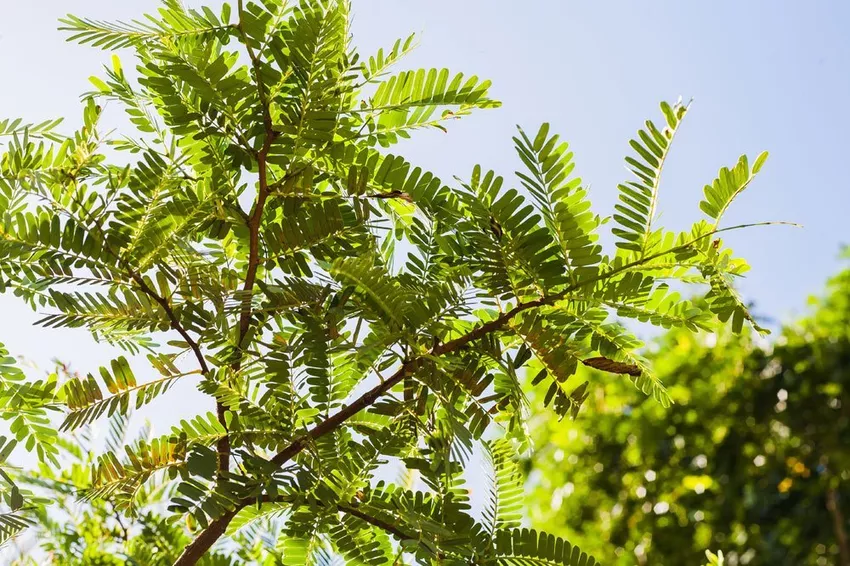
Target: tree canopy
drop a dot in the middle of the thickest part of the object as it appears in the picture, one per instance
(750, 458)
(343, 309)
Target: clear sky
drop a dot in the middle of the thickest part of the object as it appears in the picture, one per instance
(765, 74)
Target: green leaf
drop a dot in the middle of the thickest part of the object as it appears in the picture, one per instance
(85, 399)
(517, 547)
(636, 210)
(728, 185)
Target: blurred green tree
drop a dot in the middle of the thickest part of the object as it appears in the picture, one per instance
(752, 457)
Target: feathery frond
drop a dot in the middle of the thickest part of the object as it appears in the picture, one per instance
(638, 199)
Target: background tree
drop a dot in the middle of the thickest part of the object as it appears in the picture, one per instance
(751, 458)
(341, 307)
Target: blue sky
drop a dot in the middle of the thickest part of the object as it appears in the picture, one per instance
(764, 74)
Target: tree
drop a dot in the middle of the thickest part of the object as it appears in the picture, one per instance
(342, 307)
(751, 457)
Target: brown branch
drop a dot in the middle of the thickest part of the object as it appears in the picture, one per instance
(216, 528)
(198, 547)
(175, 322)
(254, 240)
(337, 419)
(223, 444)
(254, 222)
(612, 366)
(145, 288)
(207, 537)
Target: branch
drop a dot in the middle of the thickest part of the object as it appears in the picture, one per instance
(172, 317)
(198, 547)
(337, 419)
(196, 550)
(256, 217)
(254, 222)
(205, 540)
(254, 240)
(255, 64)
(209, 536)
(145, 288)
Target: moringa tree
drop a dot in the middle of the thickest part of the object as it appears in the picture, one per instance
(341, 307)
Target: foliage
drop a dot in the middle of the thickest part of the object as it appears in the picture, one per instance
(24, 405)
(93, 531)
(751, 458)
(344, 308)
